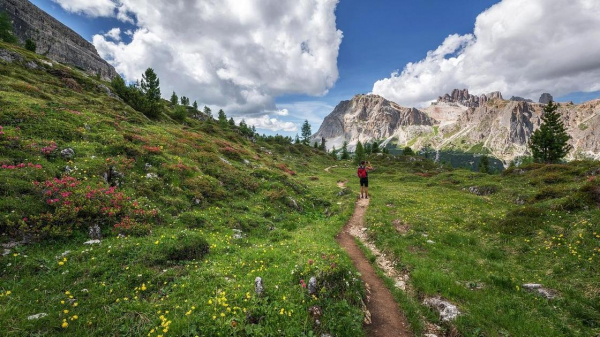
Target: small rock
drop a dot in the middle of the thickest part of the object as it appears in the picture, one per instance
(151, 175)
(293, 203)
(430, 335)
(68, 169)
(225, 161)
(447, 310)
(37, 316)
(258, 286)
(87, 127)
(67, 153)
(121, 236)
(31, 65)
(147, 166)
(520, 201)
(312, 285)
(49, 64)
(65, 253)
(85, 291)
(538, 288)
(237, 234)
(315, 312)
(95, 232)
(92, 242)
(430, 241)
(6, 252)
(246, 161)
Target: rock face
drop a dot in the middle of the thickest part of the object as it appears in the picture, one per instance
(520, 99)
(366, 118)
(55, 40)
(546, 98)
(464, 98)
(460, 122)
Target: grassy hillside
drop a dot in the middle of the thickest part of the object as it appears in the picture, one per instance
(191, 213)
(475, 239)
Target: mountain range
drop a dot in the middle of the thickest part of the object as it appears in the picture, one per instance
(459, 121)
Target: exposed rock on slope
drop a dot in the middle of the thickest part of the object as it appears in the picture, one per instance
(462, 122)
(55, 40)
(366, 118)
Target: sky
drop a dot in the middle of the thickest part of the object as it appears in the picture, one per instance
(276, 63)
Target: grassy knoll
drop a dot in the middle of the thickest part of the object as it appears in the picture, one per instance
(191, 213)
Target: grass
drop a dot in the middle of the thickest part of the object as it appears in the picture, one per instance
(493, 242)
(180, 193)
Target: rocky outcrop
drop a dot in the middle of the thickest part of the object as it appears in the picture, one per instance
(520, 99)
(366, 118)
(55, 40)
(546, 98)
(463, 97)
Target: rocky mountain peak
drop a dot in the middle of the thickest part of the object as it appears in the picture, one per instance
(546, 98)
(463, 97)
(55, 40)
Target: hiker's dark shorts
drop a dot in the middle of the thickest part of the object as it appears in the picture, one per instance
(364, 182)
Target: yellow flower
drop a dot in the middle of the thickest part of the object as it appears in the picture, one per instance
(143, 287)
(60, 263)
(66, 311)
(65, 325)
(8, 293)
(75, 317)
(75, 304)
(156, 242)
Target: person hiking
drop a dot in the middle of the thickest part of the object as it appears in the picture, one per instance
(363, 175)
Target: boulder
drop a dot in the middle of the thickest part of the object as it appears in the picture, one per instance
(448, 311)
(258, 286)
(67, 153)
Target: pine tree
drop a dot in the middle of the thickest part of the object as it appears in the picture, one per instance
(484, 164)
(222, 118)
(368, 148)
(6, 29)
(306, 132)
(359, 153)
(345, 154)
(174, 99)
(30, 45)
(231, 122)
(195, 106)
(407, 151)
(322, 147)
(549, 143)
(375, 148)
(208, 112)
(333, 153)
(151, 86)
(297, 140)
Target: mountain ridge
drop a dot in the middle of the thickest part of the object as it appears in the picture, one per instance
(460, 121)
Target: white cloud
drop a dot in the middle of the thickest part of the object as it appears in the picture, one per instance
(521, 48)
(114, 34)
(232, 54)
(282, 112)
(272, 124)
(93, 8)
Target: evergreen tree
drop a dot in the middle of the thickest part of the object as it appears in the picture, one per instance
(231, 122)
(333, 153)
(174, 99)
(151, 86)
(316, 145)
(385, 150)
(368, 148)
(208, 112)
(484, 164)
(6, 29)
(407, 151)
(359, 153)
(30, 45)
(375, 148)
(297, 140)
(306, 132)
(322, 147)
(345, 154)
(222, 118)
(549, 143)
(195, 106)
(185, 101)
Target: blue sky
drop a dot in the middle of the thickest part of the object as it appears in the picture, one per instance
(379, 37)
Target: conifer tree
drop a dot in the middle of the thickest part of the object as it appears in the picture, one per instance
(195, 106)
(316, 145)
(297, 140)
(549, 143)
(345, 154)
(306, 132)
(208, 112)
(222, 118)
(359, 153)
(322, 147)
(333, 153)
(150, 88)
(375, 147)
(484, 164)
(231, 122)
(174, 99)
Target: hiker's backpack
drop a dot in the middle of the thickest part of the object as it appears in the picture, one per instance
(362, 172)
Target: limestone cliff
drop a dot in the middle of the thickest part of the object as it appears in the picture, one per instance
(460, 121)
(55, 40)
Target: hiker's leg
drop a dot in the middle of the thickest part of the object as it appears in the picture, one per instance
(366, 192)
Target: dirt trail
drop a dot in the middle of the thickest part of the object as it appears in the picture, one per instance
(386, 318)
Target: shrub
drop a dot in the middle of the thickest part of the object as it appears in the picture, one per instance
(193, 219)
(523, 220)
(180, 113)
(30, 45)
(185, 246)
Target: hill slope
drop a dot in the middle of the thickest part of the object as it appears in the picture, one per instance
(190, 214)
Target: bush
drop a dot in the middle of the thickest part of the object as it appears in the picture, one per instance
(193, 219)
(180, 113)
(523, 220)
(185, 246)
(30, 45)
